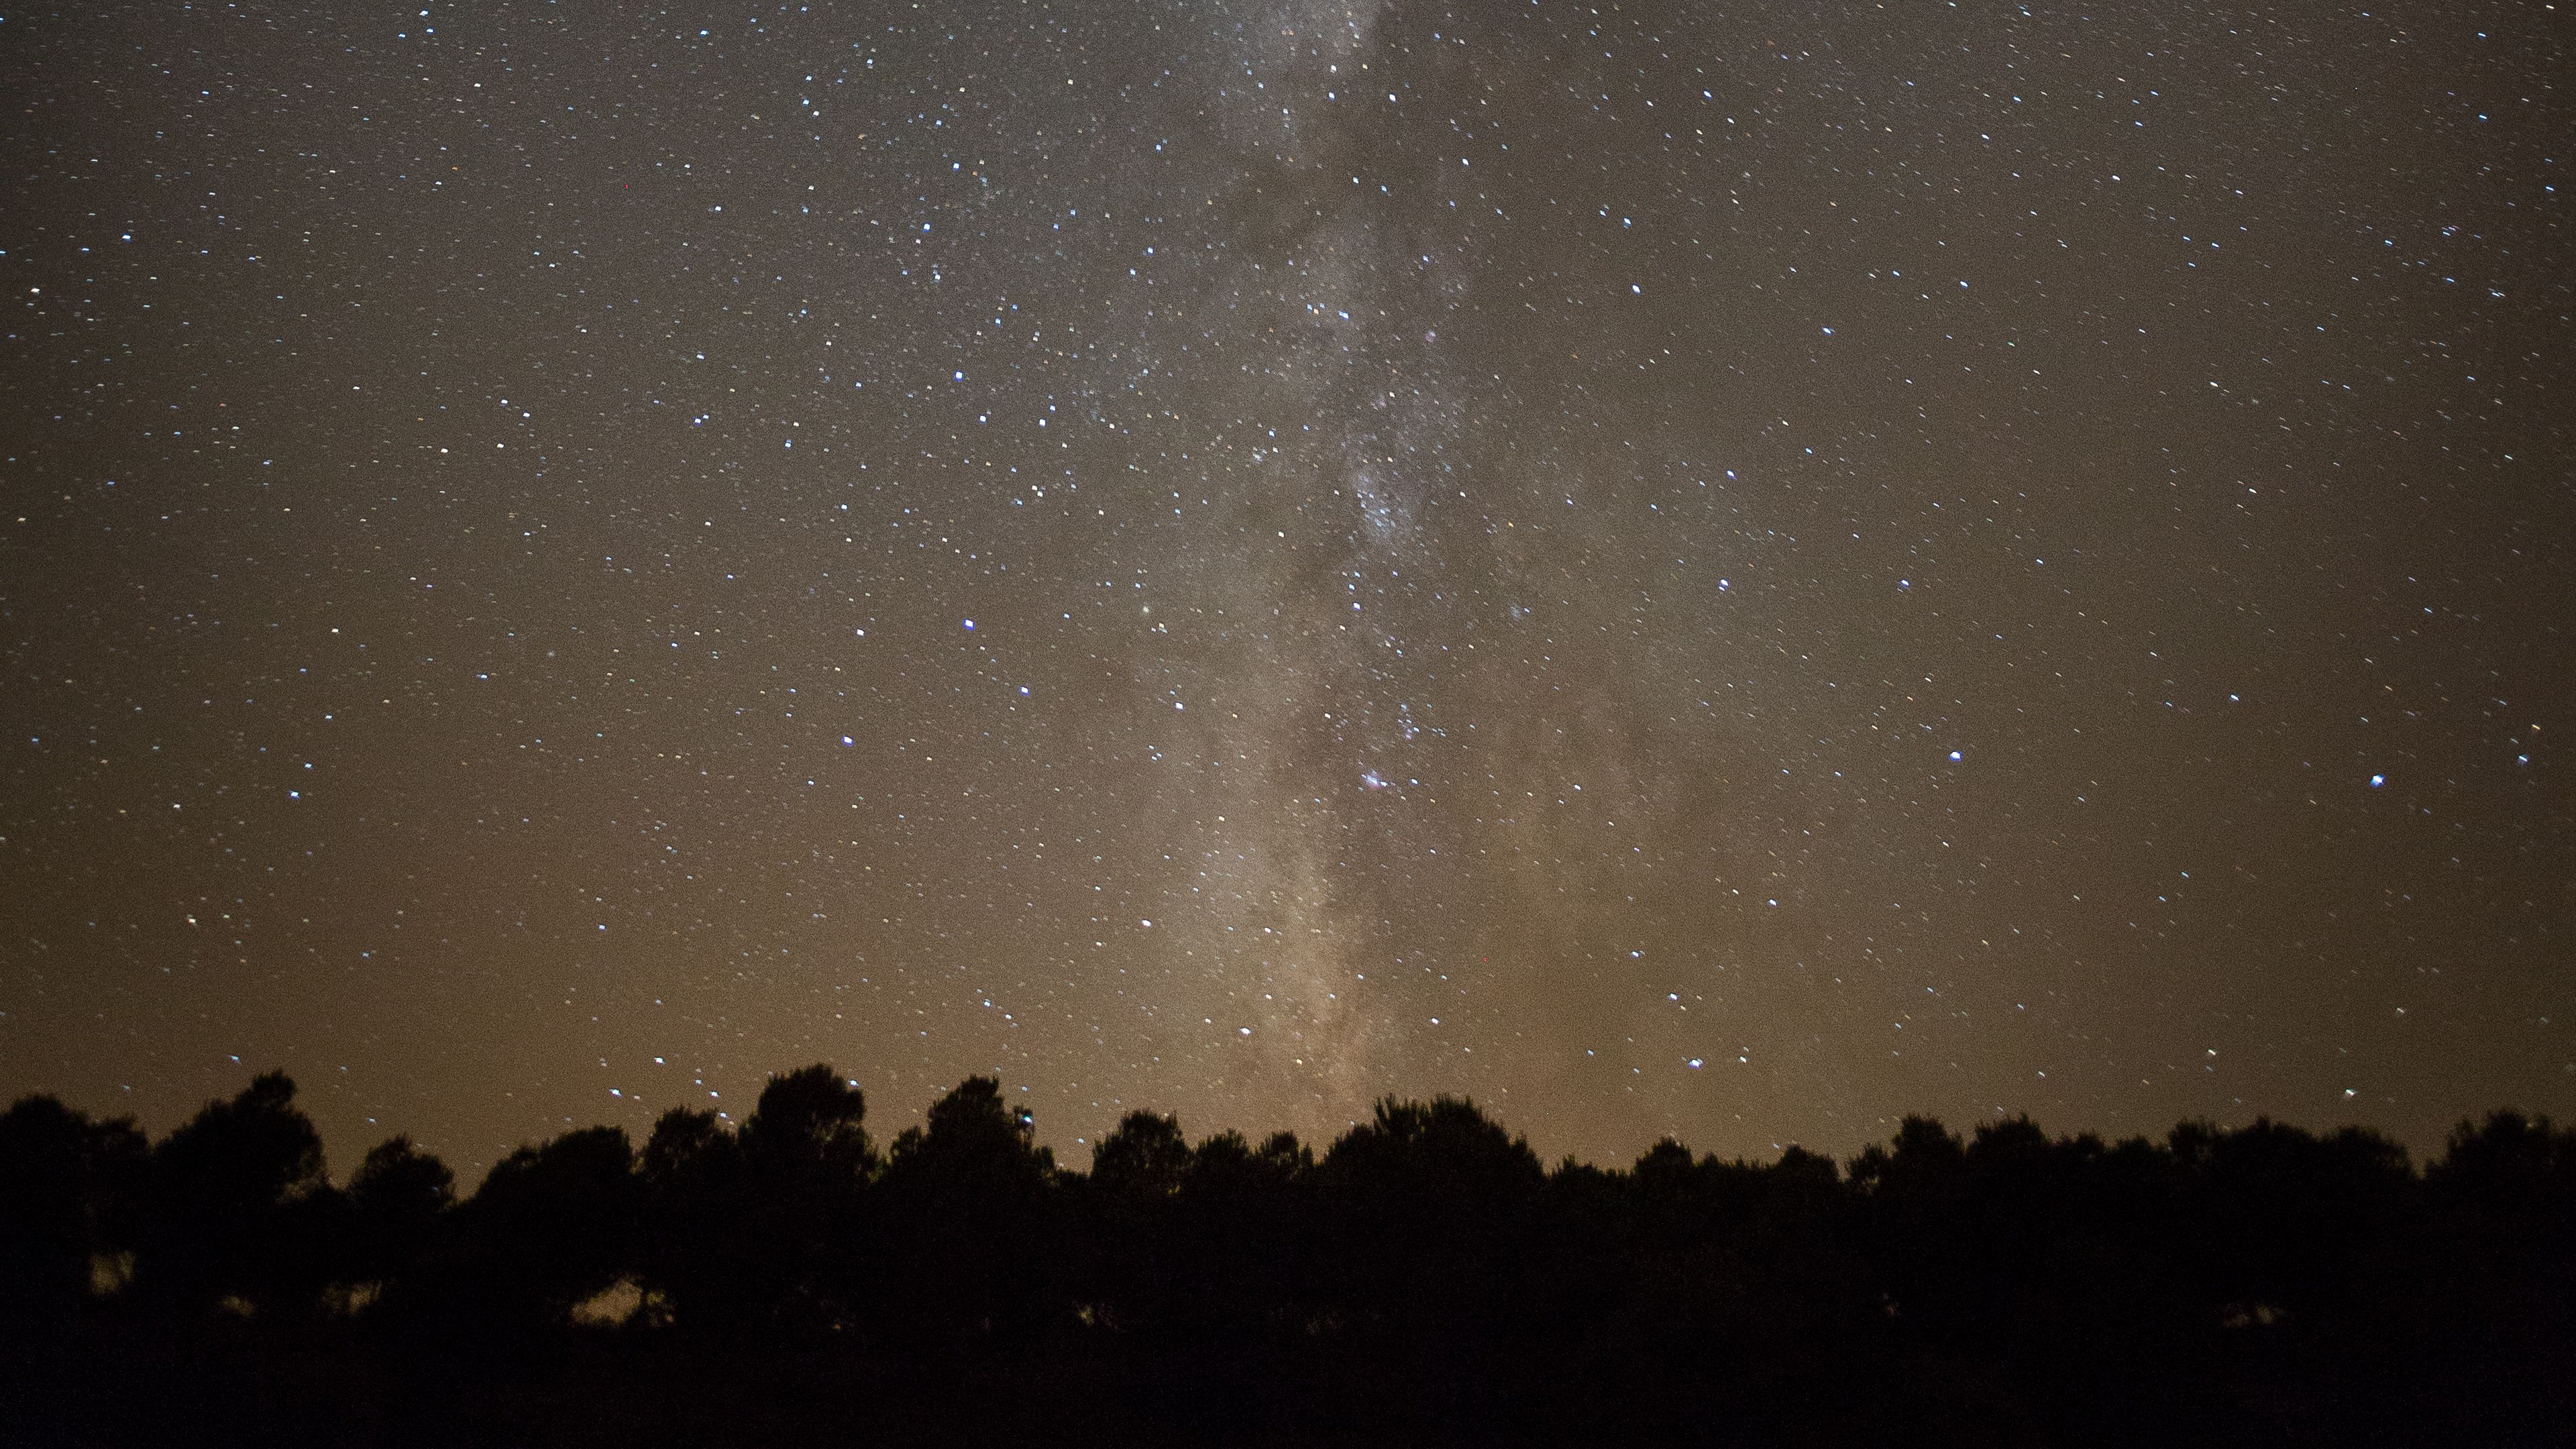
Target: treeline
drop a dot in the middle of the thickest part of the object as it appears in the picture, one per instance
(1425, 1278)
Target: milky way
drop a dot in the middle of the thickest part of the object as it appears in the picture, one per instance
(1731, 572)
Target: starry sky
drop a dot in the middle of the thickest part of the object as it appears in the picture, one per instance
(1727, 571)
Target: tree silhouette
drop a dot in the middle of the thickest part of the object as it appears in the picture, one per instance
(2498, 1303)
(237, 1207)
(398, 1201)
(2279, 1215)
(551, 1227)
(969, 1246)
(1143, 1159)
(1244, 1225)
(1132, 1269)
(1426, 1280)
(1432, 1227)
(806, 1164)
(693, 1238)
(68, 1206)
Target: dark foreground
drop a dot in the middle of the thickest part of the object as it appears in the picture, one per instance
(1426, 1280)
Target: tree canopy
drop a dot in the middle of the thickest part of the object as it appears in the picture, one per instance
(1424, 1276)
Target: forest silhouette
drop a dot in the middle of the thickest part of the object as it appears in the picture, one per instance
(1424, 1279)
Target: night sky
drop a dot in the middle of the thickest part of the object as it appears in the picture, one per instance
(1727, 571)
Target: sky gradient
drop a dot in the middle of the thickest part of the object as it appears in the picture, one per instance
(1726, 572)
